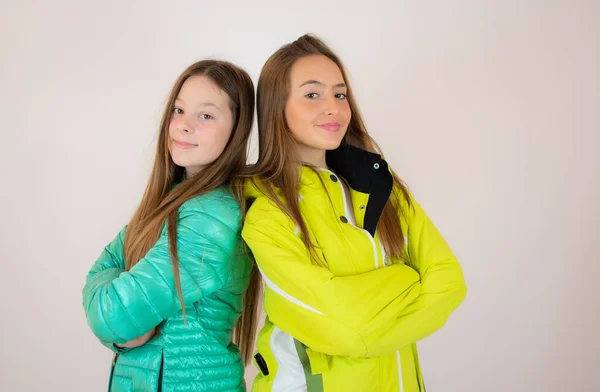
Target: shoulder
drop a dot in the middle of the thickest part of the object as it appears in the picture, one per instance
(403, 202)
(408, 208)
(217, 205)
(403, 196)
(262, 209)
(263, 213)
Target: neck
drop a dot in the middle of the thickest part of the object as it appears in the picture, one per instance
(312, 156)
(191, 171)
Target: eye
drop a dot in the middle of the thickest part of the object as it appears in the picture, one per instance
(177, 110)
(311, 95)
(340, 96)
(206, 116)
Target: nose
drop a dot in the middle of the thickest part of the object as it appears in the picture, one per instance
(331, 105)
(182, 125)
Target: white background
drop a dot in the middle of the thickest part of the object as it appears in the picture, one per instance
(488, 109)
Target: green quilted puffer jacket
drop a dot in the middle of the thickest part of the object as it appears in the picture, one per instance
(122, 305)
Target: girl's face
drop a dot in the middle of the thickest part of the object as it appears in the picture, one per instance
(201, 124)
(317, 111)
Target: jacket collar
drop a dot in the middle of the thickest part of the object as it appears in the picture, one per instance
(365, 172)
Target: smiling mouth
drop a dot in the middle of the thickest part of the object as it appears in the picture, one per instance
(183, 145)
(331, 126)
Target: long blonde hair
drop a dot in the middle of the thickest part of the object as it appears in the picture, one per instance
(277, 160)
(160, 202)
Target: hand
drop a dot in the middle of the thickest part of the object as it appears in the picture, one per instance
(140, 341)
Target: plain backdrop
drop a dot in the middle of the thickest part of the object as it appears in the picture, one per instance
(488, 109)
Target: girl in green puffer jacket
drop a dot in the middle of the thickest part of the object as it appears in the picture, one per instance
(167, 292)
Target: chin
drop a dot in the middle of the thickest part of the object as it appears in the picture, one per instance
(330, 141)
(330, 145)
(184, 162)
(193, 162)
(178, 160)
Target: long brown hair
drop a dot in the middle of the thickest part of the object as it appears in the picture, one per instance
(277, 160)
(160, 202)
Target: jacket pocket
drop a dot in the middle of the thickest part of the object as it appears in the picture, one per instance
(118, 383)
(140, 369)
(121, 384)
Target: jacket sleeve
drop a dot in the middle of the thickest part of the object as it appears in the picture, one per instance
(330, 314)
(443, 287)
(122, 305)
(108, 266)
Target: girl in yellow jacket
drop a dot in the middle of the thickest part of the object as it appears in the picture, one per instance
(355, 273)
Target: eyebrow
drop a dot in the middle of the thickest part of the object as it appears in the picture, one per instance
(321, 84)
(202, 104)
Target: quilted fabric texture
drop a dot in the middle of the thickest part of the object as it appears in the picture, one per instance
(214, 271)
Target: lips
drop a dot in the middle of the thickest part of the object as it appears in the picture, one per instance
(183, 145)
(331, 126)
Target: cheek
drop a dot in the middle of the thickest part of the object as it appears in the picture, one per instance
(298, 116)
(171, 129)
(223, 135)
(214, 138)
(346, 112)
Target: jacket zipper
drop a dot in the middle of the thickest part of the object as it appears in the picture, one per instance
(376, 256)
(160, 373)
(112, 370)
(346, 211)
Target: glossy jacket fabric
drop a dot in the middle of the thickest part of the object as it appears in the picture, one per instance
(352, 325)
(214, 270)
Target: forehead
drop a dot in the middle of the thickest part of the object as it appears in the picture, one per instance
(315, 67)
(200, 88)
